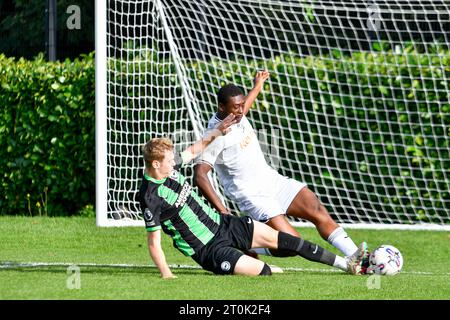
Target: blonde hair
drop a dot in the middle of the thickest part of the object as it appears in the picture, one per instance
(155, 149)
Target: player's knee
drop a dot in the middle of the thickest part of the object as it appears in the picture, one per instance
(292, 232)
(266, 271)
(320, 215)
(281, 223)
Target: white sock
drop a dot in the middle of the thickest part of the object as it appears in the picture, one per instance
(340, 263)
(339, 239)
(263, 251)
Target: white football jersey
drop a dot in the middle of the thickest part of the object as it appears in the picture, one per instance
(238, 160)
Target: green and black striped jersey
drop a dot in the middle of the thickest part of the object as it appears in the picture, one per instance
(172, 204)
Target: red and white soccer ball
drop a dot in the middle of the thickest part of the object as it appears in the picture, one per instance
(386, 260)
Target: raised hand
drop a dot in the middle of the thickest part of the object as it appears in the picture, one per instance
(260, 77)
(224, 125)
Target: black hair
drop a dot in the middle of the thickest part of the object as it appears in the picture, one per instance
(228, 91)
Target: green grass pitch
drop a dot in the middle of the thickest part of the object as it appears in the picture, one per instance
(114, 264)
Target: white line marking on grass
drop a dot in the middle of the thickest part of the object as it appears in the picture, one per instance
(11, 265)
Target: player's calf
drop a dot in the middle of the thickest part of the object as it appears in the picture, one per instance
(305, 249)
(248, 266)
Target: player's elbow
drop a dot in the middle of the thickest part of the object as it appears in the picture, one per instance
(199, 181)
(199, 176)
(195, 177)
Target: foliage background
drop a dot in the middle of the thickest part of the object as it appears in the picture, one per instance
(47, 135)
(22, 28)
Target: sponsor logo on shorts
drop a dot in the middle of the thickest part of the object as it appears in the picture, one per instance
(249, 221)
(225, 266)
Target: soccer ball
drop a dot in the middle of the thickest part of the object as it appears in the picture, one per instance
(385, 260)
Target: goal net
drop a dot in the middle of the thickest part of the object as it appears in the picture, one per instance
(357, 104)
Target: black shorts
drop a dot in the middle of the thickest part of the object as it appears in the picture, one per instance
(221, 254)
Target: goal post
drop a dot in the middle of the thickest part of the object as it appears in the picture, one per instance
(357, 105)
(101, 159)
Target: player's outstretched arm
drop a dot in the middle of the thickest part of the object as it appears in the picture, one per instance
(260, 78)
(195, 149)
(157, 254)
(204, 185)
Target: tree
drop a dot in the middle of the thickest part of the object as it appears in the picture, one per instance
(22, 28)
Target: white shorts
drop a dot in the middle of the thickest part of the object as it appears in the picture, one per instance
(273, 201)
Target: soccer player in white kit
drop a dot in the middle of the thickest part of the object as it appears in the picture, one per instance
(259, 190)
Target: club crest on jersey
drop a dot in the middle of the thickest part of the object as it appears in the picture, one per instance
(175, 174)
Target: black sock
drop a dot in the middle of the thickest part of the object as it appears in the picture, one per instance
(282, 253)
(266, 271)
(305, 249)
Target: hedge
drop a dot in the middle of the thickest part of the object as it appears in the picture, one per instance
(47, 136)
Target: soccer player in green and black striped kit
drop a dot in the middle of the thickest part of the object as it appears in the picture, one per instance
(215, 241)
